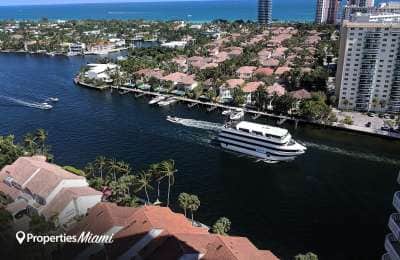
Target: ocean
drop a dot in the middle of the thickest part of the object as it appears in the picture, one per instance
(194, 11)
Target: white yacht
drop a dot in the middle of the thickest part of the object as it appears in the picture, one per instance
(167, 102)
(263, 142)
(156, 100)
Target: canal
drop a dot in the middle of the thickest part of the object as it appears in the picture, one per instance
(335, 200)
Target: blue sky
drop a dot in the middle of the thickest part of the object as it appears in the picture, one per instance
(46, 2)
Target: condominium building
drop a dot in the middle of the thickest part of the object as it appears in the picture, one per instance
(327, 11)
(264, 11)
(383, 8)
(368, 74)
(361, 3)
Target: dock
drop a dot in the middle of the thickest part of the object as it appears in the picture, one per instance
(256, 114)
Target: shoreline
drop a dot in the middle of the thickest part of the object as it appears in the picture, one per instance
(335, 125)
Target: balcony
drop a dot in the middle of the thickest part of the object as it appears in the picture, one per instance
(392, 247)
(394, 225)
(386, 257)
(396, 201)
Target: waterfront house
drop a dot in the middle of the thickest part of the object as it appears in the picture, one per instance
(300, 95)
(249, 89)
(100, 71)
(181, 81)
(76, 49)
(153, 232)
(245, 72)
(39, 187)
(146, 74)
(174, 44)
(276, 89)
(226, 89)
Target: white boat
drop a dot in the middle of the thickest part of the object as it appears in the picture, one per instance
(167, 102)
(266, 143)
(53, 99)
(156, 100)
(173, 119)
(46, 106)
(226, 112)
(237, 115)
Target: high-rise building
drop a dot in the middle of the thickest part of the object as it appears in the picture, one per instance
(264, 11)
(383, 8)
(368, 74)
(327, 11)
(361, 3)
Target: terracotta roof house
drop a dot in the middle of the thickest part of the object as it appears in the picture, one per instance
(276, 89)
(250, 88)
(220, 57)
(150, 73)
(181, 81)
(47, 189)
(234, 51)
(264, 72)
(226, 90)
(279, 53)
(245, 72)
(272, 63)
(157, 233)
(281, 70)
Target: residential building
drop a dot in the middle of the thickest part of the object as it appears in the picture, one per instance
(39, 187)
(76, 49)
(100, 71)
(368, 74)
(249, 89)
(246, 72)
(153, 232)
(264, 12)
(181, 81)
(383, 8)
(226, 90)
(327, 11)
(361, 3)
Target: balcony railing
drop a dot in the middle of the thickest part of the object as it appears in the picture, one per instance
(396, 201)
(386, 257)
(392, 246)
(394, 225)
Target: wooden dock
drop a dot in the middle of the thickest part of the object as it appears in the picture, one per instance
(256, 114)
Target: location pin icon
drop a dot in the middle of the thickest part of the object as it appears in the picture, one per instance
(20, 236)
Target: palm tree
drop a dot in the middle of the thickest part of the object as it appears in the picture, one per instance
(168, 170)
(29, 142)
(154, 170)
(143, 182)
(113, 168)
(100, 163)
(41, 136)
(194, 204)
(90, 170)
(184, 201)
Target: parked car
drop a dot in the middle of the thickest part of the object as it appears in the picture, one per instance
(385, 128)
(386, 116)
(381, 115)
(370, 114)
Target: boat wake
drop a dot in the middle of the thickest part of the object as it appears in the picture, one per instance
(199, 124)
(26, 103)
(366, 156)
(358, 155)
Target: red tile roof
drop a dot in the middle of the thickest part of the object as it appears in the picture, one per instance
(252, 86)
(301, 94)
(264, 71)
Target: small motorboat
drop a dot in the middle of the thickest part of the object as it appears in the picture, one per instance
(235, 116)
(227, 112)
(46, 106)
(173, 119)
(167, 102)
(156, 100)
(53, 99)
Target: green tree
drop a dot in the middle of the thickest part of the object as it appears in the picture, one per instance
(221, 226)
(184, 201)
(238, 96)
(308, 256)
(167, 168)
(194, 204)
(315, 108)
(100, 163)
(143, 183)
